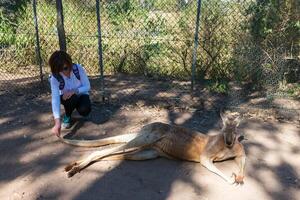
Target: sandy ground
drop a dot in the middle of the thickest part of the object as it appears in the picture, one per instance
(32, 160)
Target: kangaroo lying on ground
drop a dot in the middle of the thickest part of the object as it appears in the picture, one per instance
(170, 141)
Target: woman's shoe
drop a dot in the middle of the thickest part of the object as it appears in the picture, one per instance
(66, 122)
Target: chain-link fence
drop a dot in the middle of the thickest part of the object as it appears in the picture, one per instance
(245, 41)
(16, 48)
(149, 37)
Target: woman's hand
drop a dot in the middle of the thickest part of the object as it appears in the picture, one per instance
(56, 128)
(67, 95)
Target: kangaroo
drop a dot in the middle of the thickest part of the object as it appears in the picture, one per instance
(170, 141)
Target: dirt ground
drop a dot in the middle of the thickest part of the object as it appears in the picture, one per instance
(32, 159)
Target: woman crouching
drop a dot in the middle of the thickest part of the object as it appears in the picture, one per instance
(70, 87)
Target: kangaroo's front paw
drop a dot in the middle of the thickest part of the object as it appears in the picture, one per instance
(238, 179)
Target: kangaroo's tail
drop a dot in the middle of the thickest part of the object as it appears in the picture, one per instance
(100, 142)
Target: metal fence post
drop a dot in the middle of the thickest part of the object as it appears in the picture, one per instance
(195, 44)
(37, 40)
(60, 26)
(100, 52)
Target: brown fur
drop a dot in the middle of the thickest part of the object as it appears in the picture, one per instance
(174, 142)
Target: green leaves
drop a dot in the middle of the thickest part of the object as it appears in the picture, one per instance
(7, 36)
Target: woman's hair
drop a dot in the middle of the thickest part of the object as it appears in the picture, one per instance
(57, 61)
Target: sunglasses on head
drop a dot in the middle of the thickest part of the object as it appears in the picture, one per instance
(65, 68)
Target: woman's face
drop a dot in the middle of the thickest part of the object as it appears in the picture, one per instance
(66, 70)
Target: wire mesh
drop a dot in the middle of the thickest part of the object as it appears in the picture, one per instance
(146, 37)
(155, 38)
(81, 33)
(17, 55)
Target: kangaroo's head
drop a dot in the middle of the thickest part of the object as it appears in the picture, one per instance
(229, 130)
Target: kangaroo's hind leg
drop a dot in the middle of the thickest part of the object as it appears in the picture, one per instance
(141, 141)
(134, 154)
(77, 166)
(145, 154)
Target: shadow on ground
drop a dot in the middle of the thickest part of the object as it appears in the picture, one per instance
(32, 159)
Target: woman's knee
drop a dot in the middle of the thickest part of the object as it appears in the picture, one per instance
(70, 101)
(84, 105)
(84, 110)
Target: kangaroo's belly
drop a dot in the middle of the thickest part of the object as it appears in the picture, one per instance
(184, 147)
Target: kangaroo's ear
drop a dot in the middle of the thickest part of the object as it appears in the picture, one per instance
(223, 117)
(238, 121)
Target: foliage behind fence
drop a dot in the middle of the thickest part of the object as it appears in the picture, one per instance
(252, 41)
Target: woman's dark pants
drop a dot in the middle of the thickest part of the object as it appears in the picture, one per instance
(82, 104)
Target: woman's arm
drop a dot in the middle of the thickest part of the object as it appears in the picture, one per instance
(85, 87)
(55, 105)
(55, 97)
